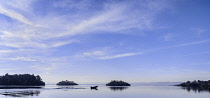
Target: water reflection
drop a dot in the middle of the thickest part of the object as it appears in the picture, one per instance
(64, 87)
(118, 88)
(197, 89)
(94, 88)
(21, 87)
(21, 93)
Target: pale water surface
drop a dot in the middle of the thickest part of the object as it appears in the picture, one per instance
(83, 91)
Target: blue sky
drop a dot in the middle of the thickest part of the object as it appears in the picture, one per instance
(102, 40)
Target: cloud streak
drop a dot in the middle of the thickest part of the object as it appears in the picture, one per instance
(105, 54)
(192, 43)
(119, 56)
(197, 53)
(37, 29)
(14, 15)
(21, 58)
(180, 45)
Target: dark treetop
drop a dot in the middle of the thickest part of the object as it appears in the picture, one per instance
(67, 83)
(21, 79)
(117, 83)
(195, 83)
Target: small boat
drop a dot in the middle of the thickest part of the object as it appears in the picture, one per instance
(94, 87)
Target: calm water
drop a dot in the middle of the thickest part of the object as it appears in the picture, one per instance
(83, 91)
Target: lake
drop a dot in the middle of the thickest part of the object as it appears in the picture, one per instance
(84, 91)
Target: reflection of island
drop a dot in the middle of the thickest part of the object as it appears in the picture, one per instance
(196, 89)
(21, 79)
(117, 83)
(67, 83)
(69, 88)
(19, 87)
(21, 93)
(196, 86)
(118, 88)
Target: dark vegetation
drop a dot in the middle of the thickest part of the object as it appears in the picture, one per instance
(117, 83)
(21, 79)
(196, 84)
(67, 83)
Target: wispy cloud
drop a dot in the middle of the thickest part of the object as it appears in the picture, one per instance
(37, 29)
(199, 31)
(198, 64)
(31, 35)
(44, 69)
(168, 36)
(192, 43)
(197, 53)
(104, 54)
(21, 58)
(109, 53)
(93, 53)
(7, 51)
(47, 66)
(180, 45)
(14, 15)
(119, 55)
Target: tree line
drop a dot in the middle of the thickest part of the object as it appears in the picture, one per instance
(21, 79)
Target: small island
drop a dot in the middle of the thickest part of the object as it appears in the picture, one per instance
(117, 83)
(21, 79)
(66, 83)
(197, 84)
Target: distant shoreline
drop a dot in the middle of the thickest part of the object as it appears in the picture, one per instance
(20, 87)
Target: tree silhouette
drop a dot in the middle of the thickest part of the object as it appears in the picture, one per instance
(21, 79)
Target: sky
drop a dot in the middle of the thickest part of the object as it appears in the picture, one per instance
(90, 41)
